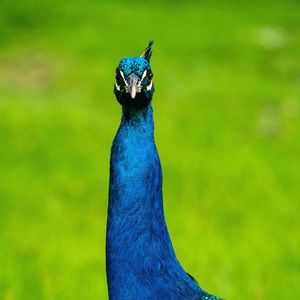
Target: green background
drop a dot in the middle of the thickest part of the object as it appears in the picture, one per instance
(227, 116)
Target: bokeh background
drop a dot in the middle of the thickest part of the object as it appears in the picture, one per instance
(227, 116)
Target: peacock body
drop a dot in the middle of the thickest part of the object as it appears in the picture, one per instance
(140, 259)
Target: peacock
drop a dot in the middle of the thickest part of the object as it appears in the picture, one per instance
(140, 260)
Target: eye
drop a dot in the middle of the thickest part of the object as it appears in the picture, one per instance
(118, 77)
(149, 75)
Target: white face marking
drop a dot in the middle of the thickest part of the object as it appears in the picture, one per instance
(117, 86)
(143, 76)
(139, 85)
(122, 74)
(149, 86)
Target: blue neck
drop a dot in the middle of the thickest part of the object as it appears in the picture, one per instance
(141, 263)
(135, 172)
(138, 119)
(135, 216)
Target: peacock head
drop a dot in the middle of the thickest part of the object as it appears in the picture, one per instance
(133, 86)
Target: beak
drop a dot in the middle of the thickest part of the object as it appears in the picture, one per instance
(134, 85)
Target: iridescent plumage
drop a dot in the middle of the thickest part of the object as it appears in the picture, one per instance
(141, 262)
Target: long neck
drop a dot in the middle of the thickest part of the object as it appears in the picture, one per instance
(135, 215)
(133, 159)
(138, 245)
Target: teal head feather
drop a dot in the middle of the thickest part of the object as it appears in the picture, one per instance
(134, 87)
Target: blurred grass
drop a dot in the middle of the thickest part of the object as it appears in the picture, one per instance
(227, 78)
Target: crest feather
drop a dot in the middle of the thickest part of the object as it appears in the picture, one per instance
(148, 52)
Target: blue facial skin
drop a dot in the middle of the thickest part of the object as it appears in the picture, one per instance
(140, 260)
(137, 66)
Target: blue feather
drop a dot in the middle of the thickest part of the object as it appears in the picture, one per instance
(141, 262)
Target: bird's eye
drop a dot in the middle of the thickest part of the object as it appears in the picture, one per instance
(149, 76)
(118, 76)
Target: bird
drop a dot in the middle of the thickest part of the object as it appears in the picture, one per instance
(140, 260)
